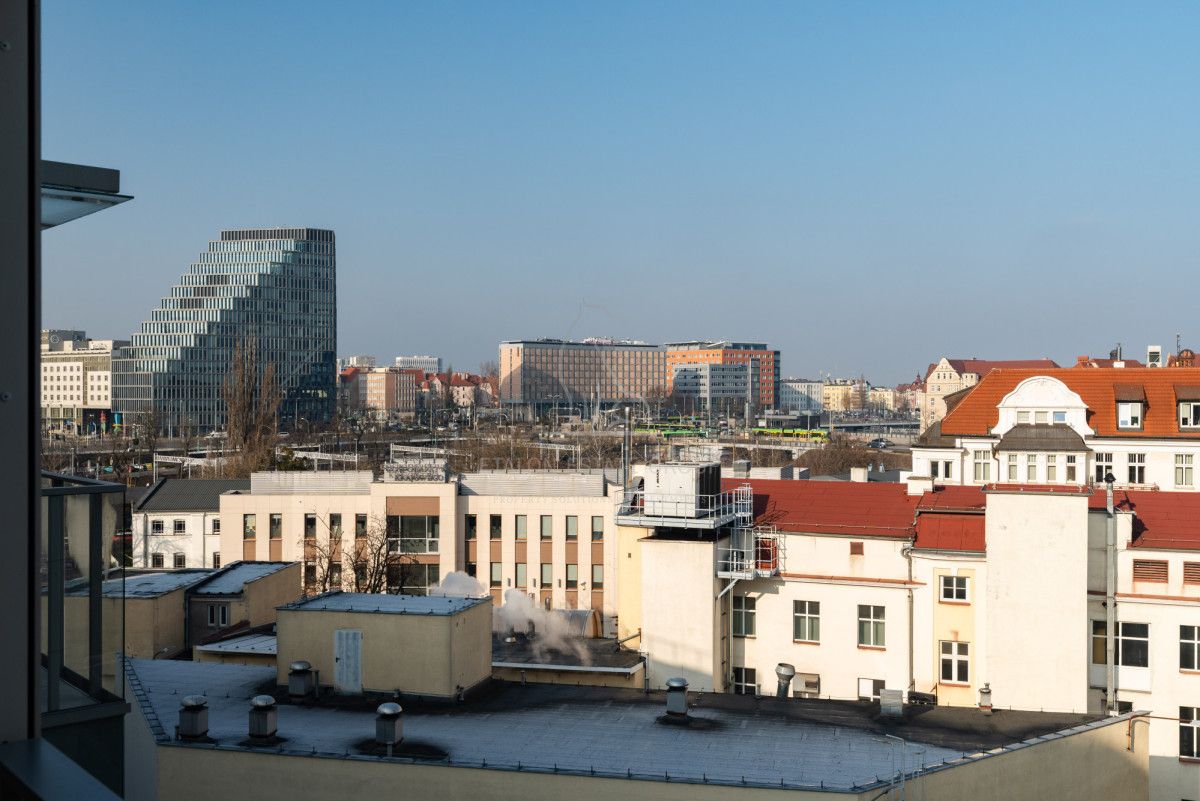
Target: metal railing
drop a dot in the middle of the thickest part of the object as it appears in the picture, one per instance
(653, 504)
(751, 553)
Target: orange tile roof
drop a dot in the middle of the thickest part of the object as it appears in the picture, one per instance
(976, 414)
(951, 532)
(833, 507)
(982, 367)
(1161, 519)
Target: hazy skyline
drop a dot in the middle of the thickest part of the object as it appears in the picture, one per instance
(864, 187)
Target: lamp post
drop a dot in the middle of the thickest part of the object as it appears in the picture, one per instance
(1110, 598)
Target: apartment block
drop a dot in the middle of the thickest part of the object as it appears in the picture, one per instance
(427, 364)
(381, 393)
(800, 395)
(725, 388)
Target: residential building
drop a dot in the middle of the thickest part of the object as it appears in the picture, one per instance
(801, 395)
(711, 387)
(177, 524)
(845, 394)
(426, 364)
(1069, 426)
(763, 362)
(910, 396)
(76, 384)
(882, 399)
(381, 393)
(948, 376)
(547, 533)
(546, 372)
(272, 291)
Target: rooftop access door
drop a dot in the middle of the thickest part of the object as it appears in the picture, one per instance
(347, 660)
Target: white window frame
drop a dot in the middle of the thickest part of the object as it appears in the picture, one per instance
(806, 615)
(1031, 468)
(1190, 419)
(982, 461)
(1051, 468)
(743, 609)
(1129, 414)
(1023, 417)
(1184, 473)
(1136, 463)
(954, 589)
(1189, 642)
(956, 656)
(1013, 469)
(744, 679)
(1104, 464)
(1072, 468)
(875, 633)
(1123, 636)
(1189, 726)
(179, 526)
(157, 526)
(178, 561)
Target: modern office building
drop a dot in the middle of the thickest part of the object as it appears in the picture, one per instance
(274, 289)
(725, 388)
(428, 364)
(546, 372)
(763, 360)
(76, 387)
(800, 395)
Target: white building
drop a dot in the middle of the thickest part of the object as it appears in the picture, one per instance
(428, 364)
(76, 382)
(177, 524)
(709, 386)
(800, 395)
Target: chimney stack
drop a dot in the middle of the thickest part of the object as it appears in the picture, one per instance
(193, 717)
(785, 674)
(858, 474)
(263, 717)
(677, 697)
(985, 699)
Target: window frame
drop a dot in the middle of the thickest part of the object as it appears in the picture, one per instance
(1189, 647)
(806, 620)
(872, 628)
(1184, 470)
(597, 528)
(1189, 732)
(1104, 465)
(981, 461)
(1136, 465)
(1123, 648)
(495, 574)
(1194, 415)
(955, 655)
(179, 526)
(1130, 415)
(956, 585)
(545, 528)
(157, 526)
(744, 678)
(743, 611)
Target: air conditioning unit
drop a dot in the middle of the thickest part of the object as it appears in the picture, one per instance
(681, 489)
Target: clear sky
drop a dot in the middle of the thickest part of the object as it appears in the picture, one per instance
(865, 186)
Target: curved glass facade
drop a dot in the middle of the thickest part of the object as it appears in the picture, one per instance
(274, 287)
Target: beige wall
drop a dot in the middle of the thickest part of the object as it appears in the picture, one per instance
(629, 681)
(260, 660)
(628, 566)
(682, 623)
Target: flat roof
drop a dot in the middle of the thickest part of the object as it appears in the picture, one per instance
(232, 579)
(582, 654)
(147, 585)
(734, 740)
(338, 601)
(258, 644)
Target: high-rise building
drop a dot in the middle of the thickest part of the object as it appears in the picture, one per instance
(274, 289)
(755, 353)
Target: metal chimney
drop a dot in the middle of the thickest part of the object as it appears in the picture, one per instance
(985, 699)
(785, 673)
(302, 681)
(193, 717)
(389, 725)
(677, 697)
(263, 717)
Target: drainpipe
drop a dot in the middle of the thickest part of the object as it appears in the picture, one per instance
(906, 552)
(1110, 599)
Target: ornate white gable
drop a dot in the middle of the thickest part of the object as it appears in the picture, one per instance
(1042, 393)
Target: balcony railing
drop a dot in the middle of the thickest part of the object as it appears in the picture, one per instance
(641, 507)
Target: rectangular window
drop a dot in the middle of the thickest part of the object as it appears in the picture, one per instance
(933, 470)
(496, 574)
(597, 528)
(547, 575)
(547, 527)
(954, 589)
(179, 560)
(1189, 647)
(522, 574)
(870, 626)
(983, 466)
(1133, 644)
(572, 577)
(494, 524)
(413, 533)
(1099, 642)
(1072, 473)
(335, 526)
(869, 689)
(1022, 417)
(179, 526)
(470, 527)
(806, 621)
(743, 616)
(1129, 415)
(955, 664)
(522, 527)
(1151, 570)
(216, 559)
(412, 578)
(216, 525)
(597, 577)
(248, 527)
(1031, 468)
(572, 527)
(1059, 417)
(1051, 468)
(1013, 475)
(360, 526)
(212, 616)
(1137, 468)
(1041, 418)
(335, 575)
(1104, 463)
(745, 681)
(1183, 469)
(1189, 731)
(156, 560)
(946, 470)
(156, 527)
(275, 526)
(1189, 414)
(310, 527)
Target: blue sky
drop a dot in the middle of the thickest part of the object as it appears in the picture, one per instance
(865, 186)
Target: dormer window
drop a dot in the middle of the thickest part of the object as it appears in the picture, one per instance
(1129, 414)
(1041, 418)
(1022, 417)
(1189, 414)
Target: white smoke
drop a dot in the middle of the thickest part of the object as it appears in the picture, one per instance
(548, 630)
(459, 585)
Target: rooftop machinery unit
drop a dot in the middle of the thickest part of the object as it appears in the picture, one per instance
(682, 489)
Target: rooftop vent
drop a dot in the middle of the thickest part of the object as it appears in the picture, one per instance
(785, 673)
(985, 699)
(677, 697)
(891, 703)
(302, 679)
(193, 717)
(263, 717)
(389, 725)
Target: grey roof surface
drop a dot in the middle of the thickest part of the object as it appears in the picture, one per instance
(1033, 437)
(257, 643)
(578, 653)
(933, 437)
(232, 579)
(189, 494)
(745, 741)
(338, 601)
(147, 585)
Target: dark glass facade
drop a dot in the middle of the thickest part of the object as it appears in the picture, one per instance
(273, 287)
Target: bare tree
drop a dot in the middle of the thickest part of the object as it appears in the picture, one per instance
(252, 399)
(148, 423)
(358, 563)
(489, 368)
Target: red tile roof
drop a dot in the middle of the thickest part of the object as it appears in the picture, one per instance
(976, 414)
(982, 367)
(950, 532)
(833, 507)
(1161, 519)
(953, 498)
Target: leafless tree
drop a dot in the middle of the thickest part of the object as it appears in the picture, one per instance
(358, 563)
(489, 368)
(252, 398)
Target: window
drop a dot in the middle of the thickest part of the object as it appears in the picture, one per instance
(216, 525)
(1189, 414)
(413, 533)
(1031, 468)
(870, 626)
(547, 574)
(1099, 642)
(310, 527)
(869, 689)
(1059, 417)
(275, 526)
(955, 665)
(335, 526)
(218, 615)
(745, 681)
(496, 574)
(470, 570)
(178, 526)
(1191, 572)
(1189, 731)
(954, 589)
(856, 549)
(1072, 473)
(335, 575)
(522, 575)
(360, 526)
(179, 560)
(494, 523)
(522, 527)
(156, 560)
(1022, 417)
(1183, 469)
(743, 616)
(933, 469)
(1051, 468)
(470, 527)
(1129, 415)
(597, 528)
(216, 559)
(248, 527)
(156, 527)
(1104, 463)
(1133, 644)
(1150, 570)
(414, 579)
(1189, 647)
(1137, 468)
(983, 465)
(572, 527)
(597, 577)
(946, 471)
(1012, 468)
(1041, 418)
(572, 577)
(806, 621)
(310, 576)
(546, 527)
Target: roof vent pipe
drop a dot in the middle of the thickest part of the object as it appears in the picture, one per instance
(263, 717)
(677, 697)
(389, 725)
(193, 717)
(301, 679)
(985, 699)
(785, 673)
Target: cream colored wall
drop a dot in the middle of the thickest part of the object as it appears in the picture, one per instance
(628, 681)
(261, 660)
(628, 567)
(934, 621)
(261, 596)
(293, 508)
(680, 615)
(471, 646)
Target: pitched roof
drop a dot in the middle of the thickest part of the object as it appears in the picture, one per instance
(833, 507)
(1035, 437)
(982, 367)
(189, 494)
(232, 579)
(951, 532)
(976, 414)
(1161, 519)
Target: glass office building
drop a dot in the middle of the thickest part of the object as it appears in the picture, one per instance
(274, 288)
